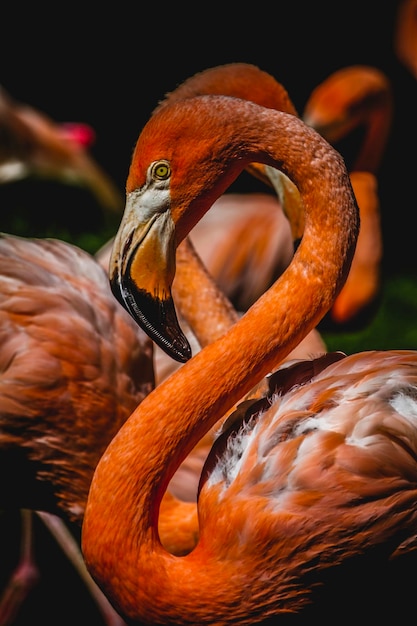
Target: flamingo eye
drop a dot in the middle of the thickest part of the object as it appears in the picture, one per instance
(161, 170)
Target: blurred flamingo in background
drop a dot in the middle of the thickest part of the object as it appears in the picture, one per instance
(33, 145)
(314, 490)
(405, 42)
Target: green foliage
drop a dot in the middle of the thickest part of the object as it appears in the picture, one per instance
(393, 326)
(42, 208)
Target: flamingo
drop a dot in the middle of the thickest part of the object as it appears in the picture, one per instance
(355, 97)
(313, 493)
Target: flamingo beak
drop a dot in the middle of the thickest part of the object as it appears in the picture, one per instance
(142, 269)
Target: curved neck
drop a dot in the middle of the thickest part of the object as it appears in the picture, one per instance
(199, 297)
(134, 472)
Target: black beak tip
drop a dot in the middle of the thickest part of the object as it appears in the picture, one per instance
(156, 317)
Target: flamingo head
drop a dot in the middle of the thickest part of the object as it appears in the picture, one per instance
(168, 190)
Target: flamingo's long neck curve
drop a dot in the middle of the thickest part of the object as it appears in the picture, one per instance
(134, 471)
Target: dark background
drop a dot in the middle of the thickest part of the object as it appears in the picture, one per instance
(111, 67)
